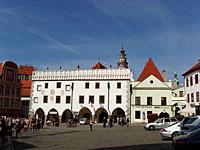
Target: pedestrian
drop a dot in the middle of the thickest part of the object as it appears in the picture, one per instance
(104, 122)
(127, 121)
(18, 128)
(91, 124)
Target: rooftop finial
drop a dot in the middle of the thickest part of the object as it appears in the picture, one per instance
(122, 46)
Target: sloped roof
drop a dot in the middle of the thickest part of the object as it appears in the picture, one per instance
(150, 69)
(193, 68)
(98, 66)
(24, 69)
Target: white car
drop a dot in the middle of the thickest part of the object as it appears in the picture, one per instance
(171, 131)
(160, 123)
(83, 121)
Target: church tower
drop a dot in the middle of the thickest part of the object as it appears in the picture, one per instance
(122, 59)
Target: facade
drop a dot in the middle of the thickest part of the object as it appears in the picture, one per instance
(10, 89)
(25, 75)
(93, 93)
(152, 94)
(192, 89)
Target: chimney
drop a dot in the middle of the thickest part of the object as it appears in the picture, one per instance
(164, 75)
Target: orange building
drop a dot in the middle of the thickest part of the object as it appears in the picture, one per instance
(10, 90)
(25, 75)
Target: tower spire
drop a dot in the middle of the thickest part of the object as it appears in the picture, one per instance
(122, 59)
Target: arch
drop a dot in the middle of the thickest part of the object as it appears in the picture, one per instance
(118, 113)
(163, 115)
(100, 114)
(67, 114)
(84, 113)
(39, 114)
(53, 115)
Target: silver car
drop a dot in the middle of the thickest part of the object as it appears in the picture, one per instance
(160, 123)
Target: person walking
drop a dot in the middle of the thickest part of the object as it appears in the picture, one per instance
(104, 122)
(90, 124)
(127, 122)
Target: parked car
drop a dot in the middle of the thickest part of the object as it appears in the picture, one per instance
(171, 131)
(189, 141)
(83, 121)
(160, 123)
(190, 122)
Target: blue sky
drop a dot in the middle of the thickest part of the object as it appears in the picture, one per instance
(68, 33)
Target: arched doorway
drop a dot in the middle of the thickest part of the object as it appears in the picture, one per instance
(53, 115)
(84, 113)
(100, 114)
(118, 113)
(163, 115)
(67, 114)
(39, 114)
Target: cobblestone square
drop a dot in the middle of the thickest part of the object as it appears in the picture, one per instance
(80, 137)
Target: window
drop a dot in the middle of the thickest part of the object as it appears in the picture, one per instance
(118, 99)
(137, 101)
(196, 79)
(7, 91)
(1, 90)
(35, 99)
(58, 85)
(57, 99)
(46, 86)
(119, 85)
(18, 92)
(91, 99)
(197, 96)
(67, 99)
(167, 120)
(39, 87)
(101, 99)
(1, 101)
(13, 91)
(81, 99)
(187, 82)
(188, 98)
(67, 87)
(87, 85)
(137, 114)
(163, 101)
(192, 97)
(191, 81)
(97, 85)
(45, 99)
(180, 93)
(149, 100)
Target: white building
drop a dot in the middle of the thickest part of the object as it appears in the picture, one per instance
(153, 94)
(94, 93)
(192, 89)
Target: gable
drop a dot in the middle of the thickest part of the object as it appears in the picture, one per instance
(152, 82)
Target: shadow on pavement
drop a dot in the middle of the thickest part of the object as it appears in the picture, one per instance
(61, 133)
(22, 145)
(161, 146)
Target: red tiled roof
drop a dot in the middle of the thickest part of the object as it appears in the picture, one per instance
(150, 69)
(194, 68)
(98, 66)
(26, 88)
(28, 70)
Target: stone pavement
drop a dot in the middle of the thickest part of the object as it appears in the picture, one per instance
(80, 137)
